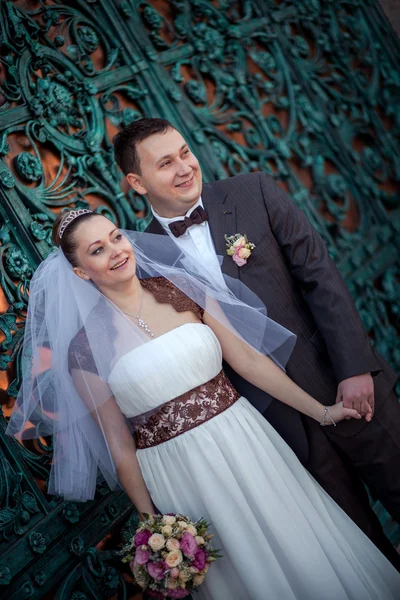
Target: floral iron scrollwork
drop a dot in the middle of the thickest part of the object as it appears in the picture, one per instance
(307, 91)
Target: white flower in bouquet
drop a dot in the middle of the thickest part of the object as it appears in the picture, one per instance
(166, 530)
(169, 520)
(172, 584)
(198, 579)
(174, 558)
(200, 541)
(174, 573)
(191, 529)
(157, 542)
(173, 544)
(184, 576)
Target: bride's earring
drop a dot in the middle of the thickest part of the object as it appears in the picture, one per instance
(80, 273)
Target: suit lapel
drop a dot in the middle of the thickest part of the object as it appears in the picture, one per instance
(221, 212)
(155, 227)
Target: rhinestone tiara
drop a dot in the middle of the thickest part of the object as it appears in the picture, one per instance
(72, 215)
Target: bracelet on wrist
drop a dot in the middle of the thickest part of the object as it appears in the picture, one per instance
(327, 414)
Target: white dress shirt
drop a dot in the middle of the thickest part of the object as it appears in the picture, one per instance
(196, 243)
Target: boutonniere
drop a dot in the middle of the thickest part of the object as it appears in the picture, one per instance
(239, 247)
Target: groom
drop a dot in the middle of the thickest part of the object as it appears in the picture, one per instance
(290, 270)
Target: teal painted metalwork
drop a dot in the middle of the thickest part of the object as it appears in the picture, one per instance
(307, 91)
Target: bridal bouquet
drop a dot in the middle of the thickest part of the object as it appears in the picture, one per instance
(170, 555)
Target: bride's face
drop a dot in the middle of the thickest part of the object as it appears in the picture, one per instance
(104, 255)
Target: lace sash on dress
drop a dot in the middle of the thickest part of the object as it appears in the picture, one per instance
(185, 412)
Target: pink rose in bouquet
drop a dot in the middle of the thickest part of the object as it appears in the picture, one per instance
(142, 538)
(142, 555)
(173, 567)
(188, 544)
(200, 559)
(156, 570)
(174, 573)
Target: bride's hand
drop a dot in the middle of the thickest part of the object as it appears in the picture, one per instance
(338, 412)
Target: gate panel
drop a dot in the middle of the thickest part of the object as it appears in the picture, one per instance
(306, 91)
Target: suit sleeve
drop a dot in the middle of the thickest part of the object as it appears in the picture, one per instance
(322, 285)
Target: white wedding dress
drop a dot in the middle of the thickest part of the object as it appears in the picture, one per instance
(282, 536)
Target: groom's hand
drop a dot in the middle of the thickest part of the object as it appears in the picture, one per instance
(358, 392)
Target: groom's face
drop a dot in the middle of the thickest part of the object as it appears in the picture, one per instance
(170, 175)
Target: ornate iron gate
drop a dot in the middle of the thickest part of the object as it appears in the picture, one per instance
(304, 90)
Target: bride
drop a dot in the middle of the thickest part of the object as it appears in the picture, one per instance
(146, 354)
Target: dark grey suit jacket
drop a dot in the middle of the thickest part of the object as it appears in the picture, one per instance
(291, 271)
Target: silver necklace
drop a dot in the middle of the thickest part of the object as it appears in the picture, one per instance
(141, 322)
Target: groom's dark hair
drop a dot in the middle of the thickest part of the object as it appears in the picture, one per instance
(126, 140)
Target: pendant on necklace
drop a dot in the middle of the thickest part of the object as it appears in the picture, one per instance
(144, 326)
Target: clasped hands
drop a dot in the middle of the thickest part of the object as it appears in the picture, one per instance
(357, 393)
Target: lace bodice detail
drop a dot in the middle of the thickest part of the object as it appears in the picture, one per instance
(79, 354)
(166, 292)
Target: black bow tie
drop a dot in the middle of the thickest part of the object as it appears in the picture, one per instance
(180, 227)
